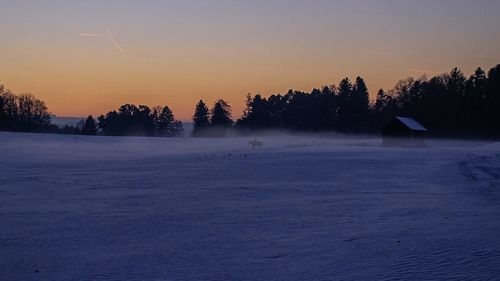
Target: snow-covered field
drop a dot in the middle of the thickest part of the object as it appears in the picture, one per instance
(302, 208)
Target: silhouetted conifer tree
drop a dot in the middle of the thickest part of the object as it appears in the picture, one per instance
(256, 114)
(220, 115)
(345, 113)
(492, 100)
(360, 105)
(89, 127)
(220, 119)
(165, 123)
(201, 118)
(475, 94)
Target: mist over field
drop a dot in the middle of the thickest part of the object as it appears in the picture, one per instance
(299, 208)
(249, 140)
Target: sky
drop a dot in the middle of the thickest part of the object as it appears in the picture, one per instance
(89, 57)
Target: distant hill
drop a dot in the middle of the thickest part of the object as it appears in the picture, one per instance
(63, 121)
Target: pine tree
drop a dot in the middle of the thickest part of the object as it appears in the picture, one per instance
(453, 113)
(221, 114)
(384, 109)
(201, 118)
(345, 110)
(360, 104)
(256, 114)
(492, 114)
(475, 95)
(90, 126)
(381, 101)
(165, 123)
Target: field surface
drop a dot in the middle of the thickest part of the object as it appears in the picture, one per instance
(300, 208)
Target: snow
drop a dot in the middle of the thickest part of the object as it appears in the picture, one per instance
(301, 208)
(411, 123)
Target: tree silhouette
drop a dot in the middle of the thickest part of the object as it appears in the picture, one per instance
(220, 115)
(276, 105)
(165, 123)
(201, 118)
(360, 105)
(492, 100)
(345, 113)
(473, 101)
(449, 105)
(256, 114)
(140, 121)
(384, 109)
(220, 119)
(23, 112)
(3, 114)
(89, 127)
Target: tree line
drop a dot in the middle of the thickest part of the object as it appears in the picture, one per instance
(131, 120)
(24, 113)
(342, 108)
(450, 104)
(345, 107)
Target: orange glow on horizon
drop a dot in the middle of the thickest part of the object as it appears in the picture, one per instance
(89, 57)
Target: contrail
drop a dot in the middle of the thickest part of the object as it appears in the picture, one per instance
(110, 35)
(424, 71)
(91, 34)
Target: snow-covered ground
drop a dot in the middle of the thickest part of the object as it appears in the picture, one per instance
(302, 208)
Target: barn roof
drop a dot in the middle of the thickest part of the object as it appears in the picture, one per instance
(411, 123)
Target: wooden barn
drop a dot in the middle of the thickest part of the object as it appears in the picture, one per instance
(404, 131)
